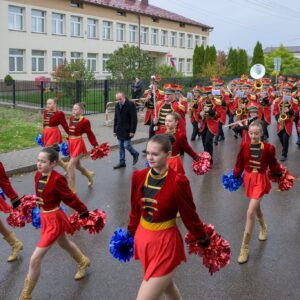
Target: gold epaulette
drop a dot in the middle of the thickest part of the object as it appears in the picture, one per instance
(218, 101)
(277, 99)
(161, 92)
(181, 107)
(295, 101)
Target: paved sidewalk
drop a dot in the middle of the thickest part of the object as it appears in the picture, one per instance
(25, 160)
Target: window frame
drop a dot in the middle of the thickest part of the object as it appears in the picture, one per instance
(15, 15)
(56, 22)
(181, 40)
(35, 21)
(94, 26)
(104, 61)
(144, 33)
(73, 59)
(164, 34)
(105, 29)
(57, 58)
(92, 60)
(15, 57)
(37, 59)
(173, 37)
(132, 31)
(154, 33)
(74, 23)
(120, 30)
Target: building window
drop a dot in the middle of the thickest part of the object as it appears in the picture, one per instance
(164, 38)
(154, 36)
(92, 62)
(144, 35)
(105, 58)
(57, 59)
(204, 41)
(181, 40)
(38, 61)
(181, 65)
(15, 17)
(16, 60)
(76, 25)
(37, 21)
(189, 41)
(189, 65)
(91, 28)
(107, 30)
(76, 56)
(57, 23)
(120, 32)
(132, 33)
(173, 39)
(197, 40)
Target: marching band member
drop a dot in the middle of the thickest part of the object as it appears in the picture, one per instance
(285, 110)
(221, 98)
(51, 134)
(230, 103)
(78, 126)
(208, 118)
(183, 101)
(157, 194)
(296, 95)
(52, 188)
(265, 100)
(9, 236)
(193, 111)
(254, 159)
(167, 106)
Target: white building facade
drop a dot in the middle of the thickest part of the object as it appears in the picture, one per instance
(38, 35)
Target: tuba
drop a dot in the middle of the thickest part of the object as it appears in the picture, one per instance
(257, 71)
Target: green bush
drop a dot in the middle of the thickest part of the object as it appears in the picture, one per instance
(8, 80)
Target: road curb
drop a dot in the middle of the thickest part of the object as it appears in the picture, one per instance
(32, 167)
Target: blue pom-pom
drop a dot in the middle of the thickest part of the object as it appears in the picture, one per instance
(64, 149)
(121, 245)
(38, 140)
(230, 182)
(147, 164)
(2, 194)
(36, 219)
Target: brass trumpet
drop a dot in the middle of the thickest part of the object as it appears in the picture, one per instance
(283, 115)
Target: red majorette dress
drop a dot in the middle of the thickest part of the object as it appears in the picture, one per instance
(155, 201)
(77, 127)
(178, 146)
(52, 189)
(254, 160)
(7, 189)
(51, 134)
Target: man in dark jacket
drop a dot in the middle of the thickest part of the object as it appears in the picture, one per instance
(125, 123)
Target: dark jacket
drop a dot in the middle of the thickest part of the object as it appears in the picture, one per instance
(125, 121)
(136, 90)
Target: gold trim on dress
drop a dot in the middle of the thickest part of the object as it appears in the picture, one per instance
(159, 225)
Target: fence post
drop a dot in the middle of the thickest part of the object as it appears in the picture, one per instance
(78, 91)
(42, 94)
(106, 92)
(14, 93)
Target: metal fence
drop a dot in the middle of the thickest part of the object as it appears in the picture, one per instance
(95, 94)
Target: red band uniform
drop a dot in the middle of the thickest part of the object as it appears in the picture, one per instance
(77, 127)
(254, 160)
(53, 189)
(51, 134)
(155, 201)
(194, 108)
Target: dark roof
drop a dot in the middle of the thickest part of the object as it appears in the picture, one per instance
(292, 49)
(149, 10)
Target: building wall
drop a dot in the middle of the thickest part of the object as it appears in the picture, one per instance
(48, 42)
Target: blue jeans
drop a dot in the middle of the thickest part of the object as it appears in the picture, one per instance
(126, 144)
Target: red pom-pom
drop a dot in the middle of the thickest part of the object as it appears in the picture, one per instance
(23, 213)
(202, 165)
(100, 151)
(285, 181)
(216, 255)
(94, 223)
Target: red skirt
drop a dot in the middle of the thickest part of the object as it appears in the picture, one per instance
(159, 252)
(53, 225)
(256, 184)
(51, 136)
(175, 163)
(76, 147)
(4, 206)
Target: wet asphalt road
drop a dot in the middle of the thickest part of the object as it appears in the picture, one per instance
(273, 270)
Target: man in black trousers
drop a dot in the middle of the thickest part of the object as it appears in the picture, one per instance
(125, 123)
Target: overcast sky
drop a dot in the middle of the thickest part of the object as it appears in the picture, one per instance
(241, 23)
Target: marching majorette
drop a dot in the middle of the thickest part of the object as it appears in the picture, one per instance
(77, 127)
(51, 134)
(285, 110)
(9, 236)
(296, 95)
(254, 159)
(183, 101)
